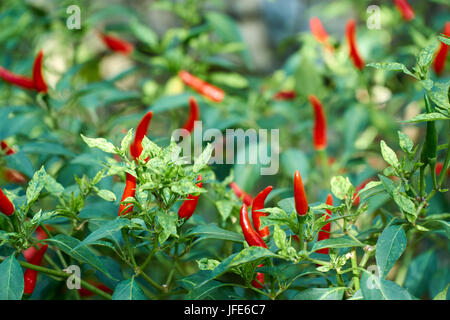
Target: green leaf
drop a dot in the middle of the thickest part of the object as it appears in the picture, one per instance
(212, 231)
(168, 222)
(126, 141)
(423, 117)
(11, 279)
(388, 154)
(144, 33)
(166, 103)
(342, 242)
(225, 207)
(442, 295)
(405, 142)
(203, 159)
(420, 271)
(426, 55)
(36, 185)
(444, 39)
(279, 237)
(105, 231)
(69, 245)
(440, 98)
(247, 255)
(52, 186)
(390, 246)
(374, 288)
(227, 30)
(20, 162)
(106, 195)
(100, 143)
(321, 294)
(341, 187)
(294, 159)
(388, 66)
(128, 290)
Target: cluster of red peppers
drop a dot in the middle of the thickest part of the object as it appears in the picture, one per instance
(32, 255)
(254, 235)
(37, 82)
(135, 151)
(189, 205)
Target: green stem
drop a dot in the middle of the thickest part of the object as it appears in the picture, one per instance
(155, 247)
(340, 280)
(128, 247)
(152, 282)
(355, 269)
(422, 181)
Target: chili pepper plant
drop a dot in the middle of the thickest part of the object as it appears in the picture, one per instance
(98, 199)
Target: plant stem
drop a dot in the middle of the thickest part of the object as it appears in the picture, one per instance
(155, 247)
(355, 269)
(152, 282)
(340, 280)
(422, 181)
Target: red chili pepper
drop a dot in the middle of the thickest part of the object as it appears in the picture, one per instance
(285, 95)
(320, 124)
(251, 236)
(301, 203)
(194, 115)
(87, 293)
(130, 191)
(259, 279)
(441, 57)
(13, 176)
(350, 32)
(324, 233)
(188, 206)
(141, 130)
(30, 276)
(6, 148)
(405, 9)
(439, 167)
(6, 206)
(31, 251)
(241, 194)
(202, 87)
(38, 79)
(16, 79)
(319, 32)
(253, 239)
(357, 189)
(258, 204)
(116, 44)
